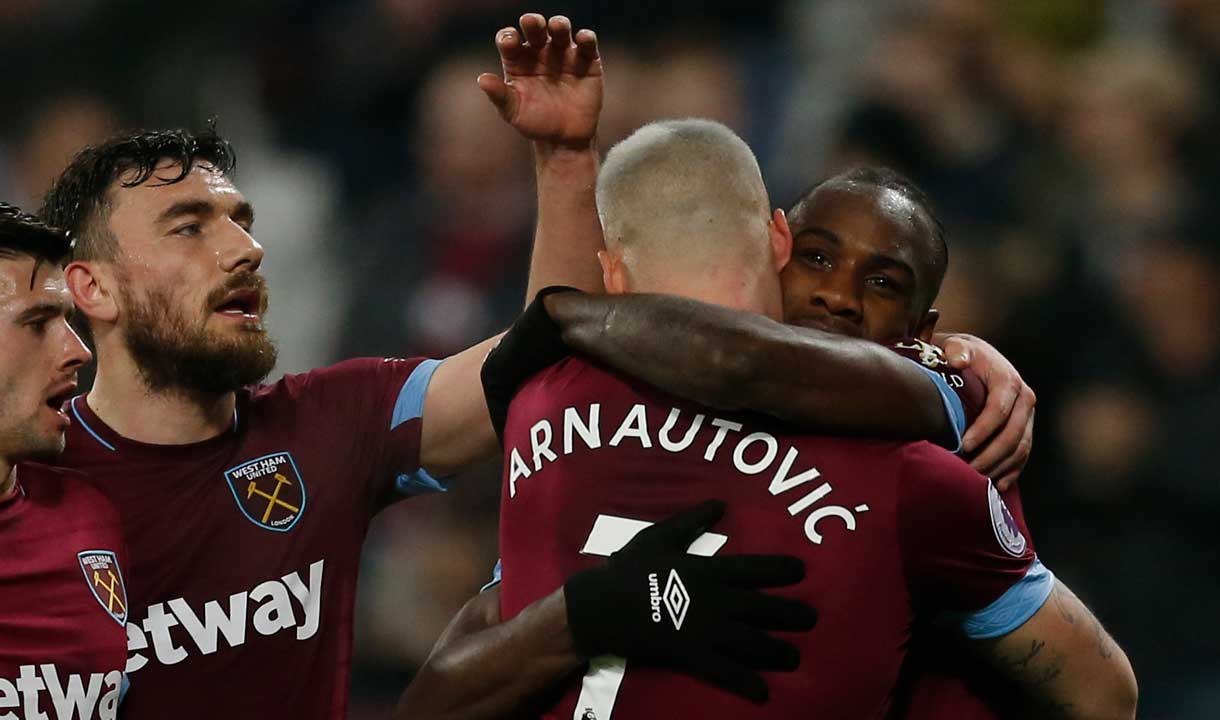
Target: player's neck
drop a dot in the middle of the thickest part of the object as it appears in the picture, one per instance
(8, 478)
(730, 289)
(122, 400)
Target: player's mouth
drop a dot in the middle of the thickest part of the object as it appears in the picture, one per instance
(57, 398)
(244, 304)
(830, 324)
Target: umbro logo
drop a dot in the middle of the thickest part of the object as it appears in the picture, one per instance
(675, 598)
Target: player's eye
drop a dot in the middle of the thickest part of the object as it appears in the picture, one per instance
(815, 258)
(188, 230)
(884, 283)
(39, 326)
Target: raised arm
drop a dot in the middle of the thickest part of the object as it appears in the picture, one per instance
(1066, 663)
(551, 93)
(733, 360)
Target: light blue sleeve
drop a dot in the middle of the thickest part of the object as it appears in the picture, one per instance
(1013, 608)
(953, 406)
(410, 405)
(495, 578)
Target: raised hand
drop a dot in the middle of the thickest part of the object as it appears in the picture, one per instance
(551, 91)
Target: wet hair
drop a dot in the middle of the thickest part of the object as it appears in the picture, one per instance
(884, 178)
(23, 235)
(78, 201)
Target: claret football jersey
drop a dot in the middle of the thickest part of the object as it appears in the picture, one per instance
(63, 599)
(941, 678)
(245, 547)
(891, 534)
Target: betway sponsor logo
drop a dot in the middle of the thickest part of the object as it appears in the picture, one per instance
(39, 693)
(174, 630)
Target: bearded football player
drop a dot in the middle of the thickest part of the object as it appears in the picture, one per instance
(64, 603)
(245, 504)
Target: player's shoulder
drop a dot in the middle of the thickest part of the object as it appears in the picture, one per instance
(929, 470)
(573, 374)
(62, 487)
(924, 353)
(965, 382)
(339, 376)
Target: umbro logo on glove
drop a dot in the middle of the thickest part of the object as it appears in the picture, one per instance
(675, 599)
(719, 620)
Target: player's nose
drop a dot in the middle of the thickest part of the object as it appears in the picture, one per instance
(838, 296)
(241, 251)
(75, 354)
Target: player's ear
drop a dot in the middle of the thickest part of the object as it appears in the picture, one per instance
(612, 272)
(90, 285)
(927, 326)
(781, 239)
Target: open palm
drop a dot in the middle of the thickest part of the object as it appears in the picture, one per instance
(552, 86)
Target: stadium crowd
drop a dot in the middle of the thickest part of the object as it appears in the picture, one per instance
(1069, 147)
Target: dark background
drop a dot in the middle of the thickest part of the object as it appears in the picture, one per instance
(1071, 148)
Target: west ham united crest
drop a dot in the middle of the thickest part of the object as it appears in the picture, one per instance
(105, 581)
(269, 491)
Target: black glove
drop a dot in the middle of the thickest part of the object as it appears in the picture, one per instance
(654, 603)
(533, 343)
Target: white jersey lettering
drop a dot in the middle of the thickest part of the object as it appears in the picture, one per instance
(273, 612)
(754, 453)
(70, 696)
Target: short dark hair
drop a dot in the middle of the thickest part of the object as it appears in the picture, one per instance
(23, 235)
(885, 178)
(77, 201)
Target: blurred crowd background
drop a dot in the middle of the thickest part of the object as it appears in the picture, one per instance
(1072, 148)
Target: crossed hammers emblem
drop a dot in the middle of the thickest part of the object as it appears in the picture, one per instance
(111, 588)
(273, 498)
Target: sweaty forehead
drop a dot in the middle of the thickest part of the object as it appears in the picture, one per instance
(867, 217)
(159, 191)
(16, 294)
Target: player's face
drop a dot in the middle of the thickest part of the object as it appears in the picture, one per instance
(39, 357)
(854, 265)
(191, 299)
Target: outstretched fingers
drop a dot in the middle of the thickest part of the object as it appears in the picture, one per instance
(510, 45)
(764, 611)
(586, 51)
(497, 91)
(678, 531)
(534, 27)
(560, 29)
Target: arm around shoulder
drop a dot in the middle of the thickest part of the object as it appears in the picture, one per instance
(981, 569)
(733, 360)
(1066, 663)
(481, 668)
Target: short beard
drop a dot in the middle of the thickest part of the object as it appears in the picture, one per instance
(174, 355)
(45, 450)
(26, 447)
(19, 441)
